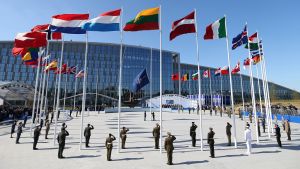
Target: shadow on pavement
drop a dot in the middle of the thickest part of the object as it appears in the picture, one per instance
(191, 162)
(83, 156)
(128, 159)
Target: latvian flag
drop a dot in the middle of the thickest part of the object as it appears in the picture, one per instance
(225, 70)
(206, 74)
(236, 69)
(80, 74)
(69, 23)
(216, 30)
(218, 72)
(108, 21)
(183, 26)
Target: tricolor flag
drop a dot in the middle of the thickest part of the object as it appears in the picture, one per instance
(80, 74)
(69, 23)
(31, 55)
(206, 74)
(218, 72)
(51, 66)
(183, 26)
(185, 77)
(30, 40)
(175, 76)
(45, 28)
(195, 76)
(236, 69)
(145, 20)
(256, 59)
(216, 30)
(225, 70)
(108, 21)
(240, 39)
(253, 42)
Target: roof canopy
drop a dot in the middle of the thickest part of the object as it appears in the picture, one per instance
(16, 91)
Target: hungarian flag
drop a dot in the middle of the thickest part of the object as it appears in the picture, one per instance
(195, 76)
(183, 26)
(145, 20)
(175, 76)
(253, 42)
(206, 74)
(216, 30)
(225, 70)
(30, 40)
(218, 72)
(236, 69)
(45, 28)
(185, 77)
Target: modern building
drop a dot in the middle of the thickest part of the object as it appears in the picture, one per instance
(103, 65)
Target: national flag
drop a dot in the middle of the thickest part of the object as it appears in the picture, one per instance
(253, 42)
(183, 26)
(45, 28)
(32, 54)
(236, 69)
(63, 69)
(218, 72)
(71, 70)
(140, 81)
(145, 20)
(256, 59)
(51, 66)
(195, 76)
(206, 74)
(19, 51)
(247, 62)
(216, 30)
(185, 77)
(108, 21)
(80, 74)
(30, 40)
(225, 70)
(240, 39)
(175, 76)
(31, 63)
(69, 23)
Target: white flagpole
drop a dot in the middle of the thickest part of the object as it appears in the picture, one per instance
(179, 80)
(221, 92)
(76, 79)
(84, 88)
(120, 78)
(47, 85)
(160, 80)
(96, 95)
(242, 89)
(252, 91)
(199, 83)
(39, 95)
(43, 85)
(34, 98)
(258, 83)
(211, 97)
(65, 90)
(151, 80)
(58, 86)
(231, 90)
(55, 92)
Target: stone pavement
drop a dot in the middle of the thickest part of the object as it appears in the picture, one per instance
(140, 153)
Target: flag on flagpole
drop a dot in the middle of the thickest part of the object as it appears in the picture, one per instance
(240, 39)
(218, 72)
(69, 23)
(206, 74)
(140, 81)
(145, 20)
(31, 55)
(247, 62)
(108, 21)
(30, 40)
(80, 74)
(256, 59)
(183, 26)
(225, 70)
(216, 30)
(253, 42)
(175, 77)
(19, 51)
(63, 70)
(195, 76)
(71, 70)
(236, 69)
(45, 28)
(51, 66)
(185, 77)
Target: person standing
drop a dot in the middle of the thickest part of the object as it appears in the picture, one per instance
(145, 115)
(193, 133)
(228, 133)
(169, 147)
(47, 129)
(87, 134)
(250, 117)
(248, 139)
(211, 142)
(52, 116)
(156, 135)
(13, 127)
(61, 139)
(288, 129)
(278, 135)
(153, 116)
(123, 136)
(258, 127)
(19, 132)
(109, 145)
(36, 135)
(263, 123)
(25, 118)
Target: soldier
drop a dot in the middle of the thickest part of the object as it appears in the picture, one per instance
(263, 123)
(288, 129)
(52, 116)
(228, 133)
(25, 118)
(153, 116)
(63, 125)
(193, 133)
(87, 134)
(248, 139)
(13, 126)
(47, 128)
(156, 135)
(258, 127)
(36, 135)
(250, 117)
(123, 136)
(210, 112)
(19, 131)
(211, 142)
(278, 135)
(169, 147)
(109, 145)
(145, 115)
(61, 139)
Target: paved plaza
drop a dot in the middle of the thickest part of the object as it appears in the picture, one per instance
(140, 152)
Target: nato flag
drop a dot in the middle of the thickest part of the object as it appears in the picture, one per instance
(140, 81)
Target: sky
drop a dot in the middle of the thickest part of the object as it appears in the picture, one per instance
(276, 21)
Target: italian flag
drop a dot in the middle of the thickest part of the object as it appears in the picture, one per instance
(216, 30)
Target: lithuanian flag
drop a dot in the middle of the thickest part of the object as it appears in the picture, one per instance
(145, 20)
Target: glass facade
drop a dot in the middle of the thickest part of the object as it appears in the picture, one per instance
(103, 62)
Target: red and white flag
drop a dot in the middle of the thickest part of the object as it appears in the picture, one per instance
(206, 74)
(225, 70)
(236, 69)
(80, 74)
(30, 40)
(183, 26)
